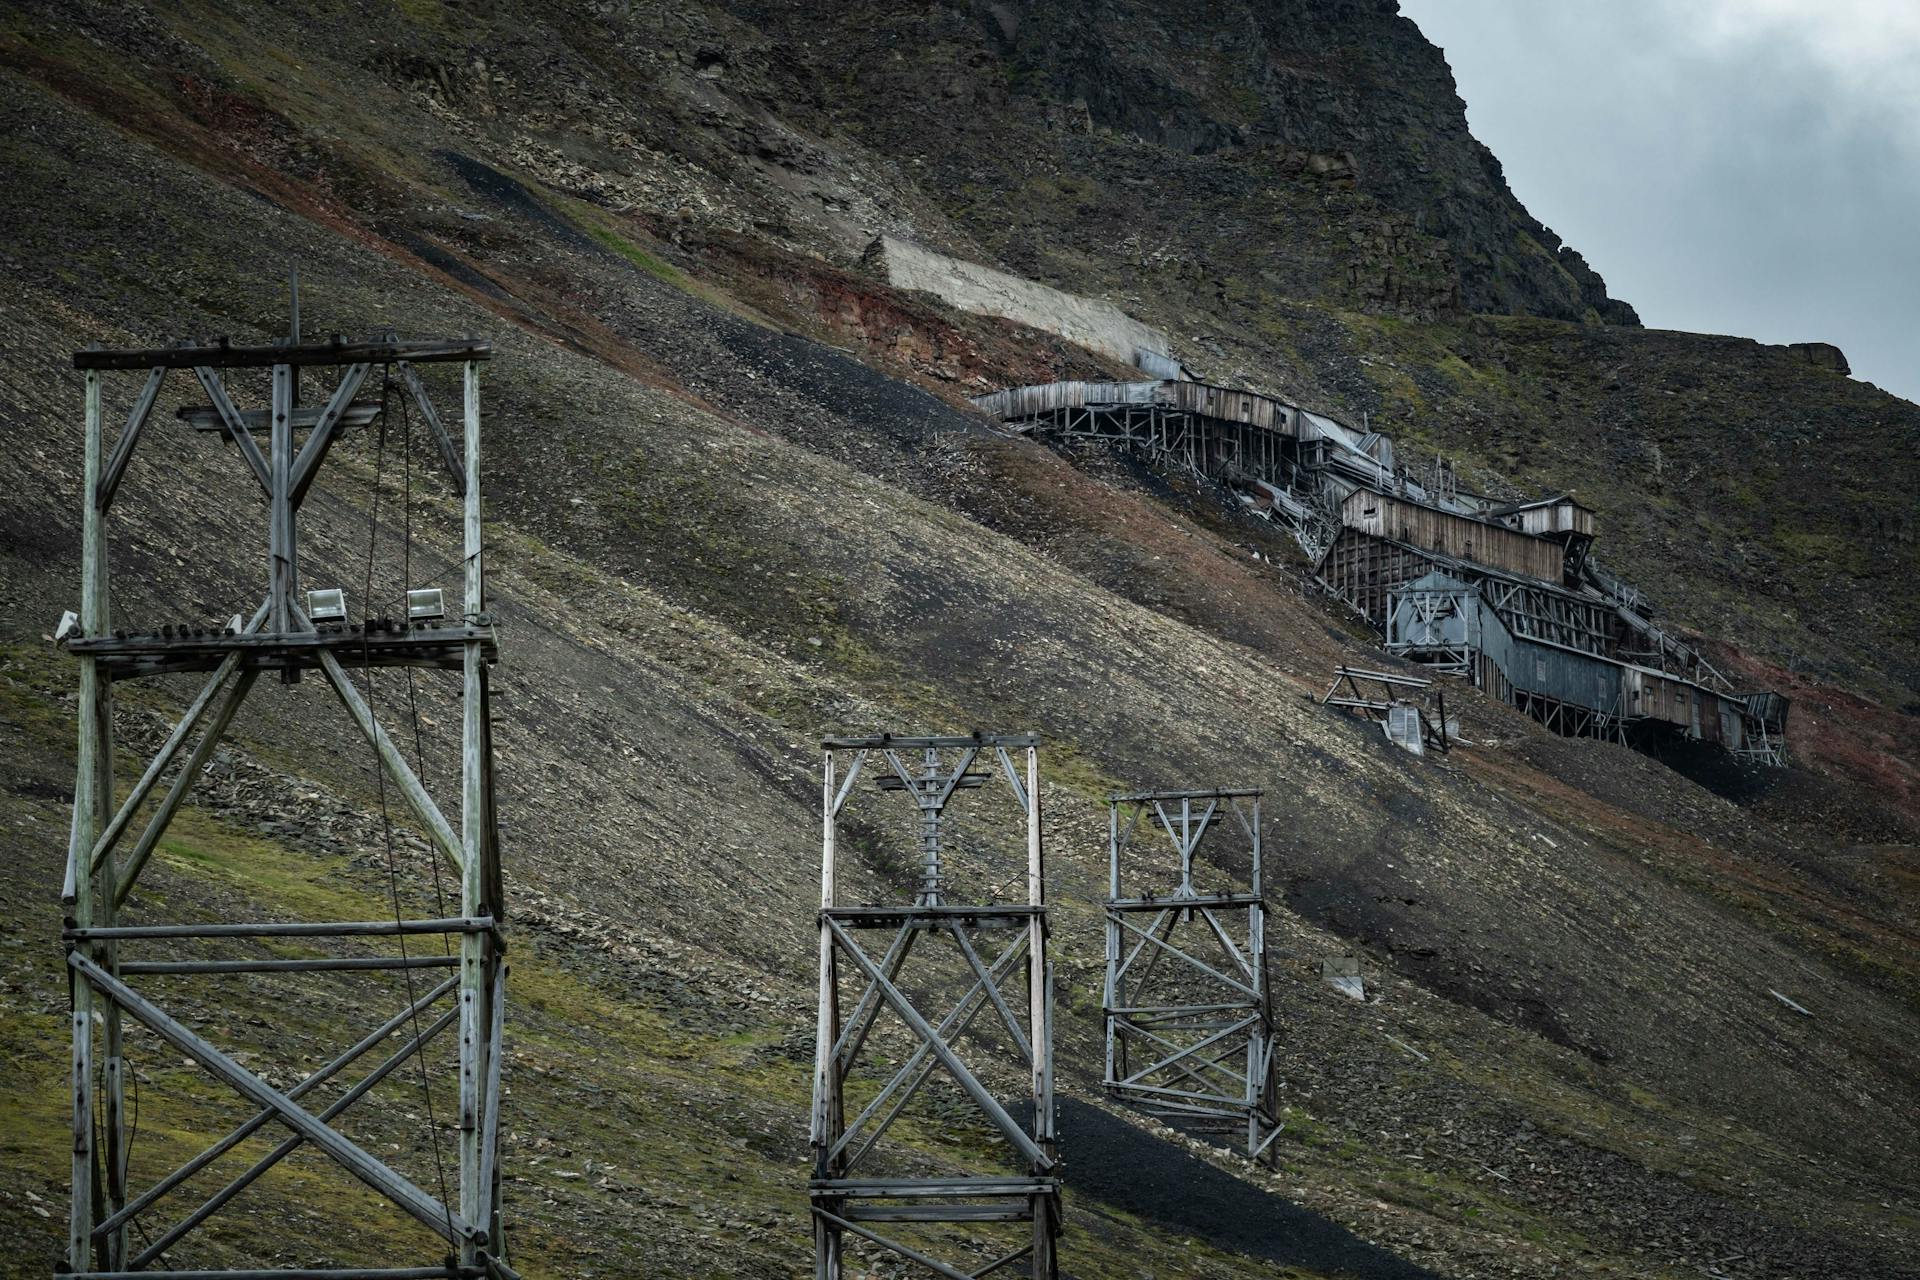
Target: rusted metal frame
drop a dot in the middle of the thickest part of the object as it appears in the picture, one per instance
(920, 1063)
(116, 466)
(449, 456)
(224, 355)
(306, 465)
(360, 1048)
(951, 1060)
(236, 429)
(369, 1170)
(292, 1143)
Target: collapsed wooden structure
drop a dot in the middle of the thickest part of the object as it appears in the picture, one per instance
(1190, 1039)
(113, 840)
(846, 1199)
(1506, 594)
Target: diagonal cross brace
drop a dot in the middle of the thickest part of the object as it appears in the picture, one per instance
(195, 712)
(366, 1043)
(307, 463)
(292, 1144)
(396, 764)
(993, 993)
(1172, 950)
(916, 1065)
(123, 451)
(419, 1204)
(1189, 1051)
(1037, 1158)
(235, 426)
(448, 454)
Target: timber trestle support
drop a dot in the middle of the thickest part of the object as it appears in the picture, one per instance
(130, 955)
(1189, 1010)
(989, 1014)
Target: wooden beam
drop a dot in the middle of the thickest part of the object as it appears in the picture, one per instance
(444, 443)
(236, 427)
(223, 355)
(423, 1207)
(204, 418)
(182, 783)
(396, 764)
(123, 450)
(307, 463)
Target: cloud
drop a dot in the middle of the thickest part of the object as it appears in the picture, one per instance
(1730, 166)
(1870, 49)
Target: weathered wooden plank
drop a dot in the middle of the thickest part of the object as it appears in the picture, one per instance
(325, 428)
(449, 456)
(223, 355)
(396, 764)
(236, 428)
(123, 449)
(196, 761)
(203, 418)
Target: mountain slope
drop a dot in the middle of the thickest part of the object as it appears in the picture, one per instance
(716, 538)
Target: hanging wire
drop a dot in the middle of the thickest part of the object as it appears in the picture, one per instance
(386, 820)
(413, 703)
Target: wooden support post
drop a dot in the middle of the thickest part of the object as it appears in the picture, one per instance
(84, 831)
(475, 987)
(101, 872)
(281, 575)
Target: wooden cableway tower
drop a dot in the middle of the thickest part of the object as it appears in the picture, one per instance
(1189, 1011)
(112, 942)
(997, 954)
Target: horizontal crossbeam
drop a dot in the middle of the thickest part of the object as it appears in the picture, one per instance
(283, 929)
(999, 915)
(882, 741)
(224, 355)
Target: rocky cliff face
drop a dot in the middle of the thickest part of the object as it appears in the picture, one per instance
(1314, 129)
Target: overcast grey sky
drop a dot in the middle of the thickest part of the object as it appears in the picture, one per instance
(1730, 166)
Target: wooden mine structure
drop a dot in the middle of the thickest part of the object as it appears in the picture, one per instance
(846, 1197)
(113, 839)
(1506, 594)
(1190, 1039)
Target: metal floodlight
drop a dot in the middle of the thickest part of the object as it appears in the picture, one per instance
(329, 605)
(69, 623)
(425, 604)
